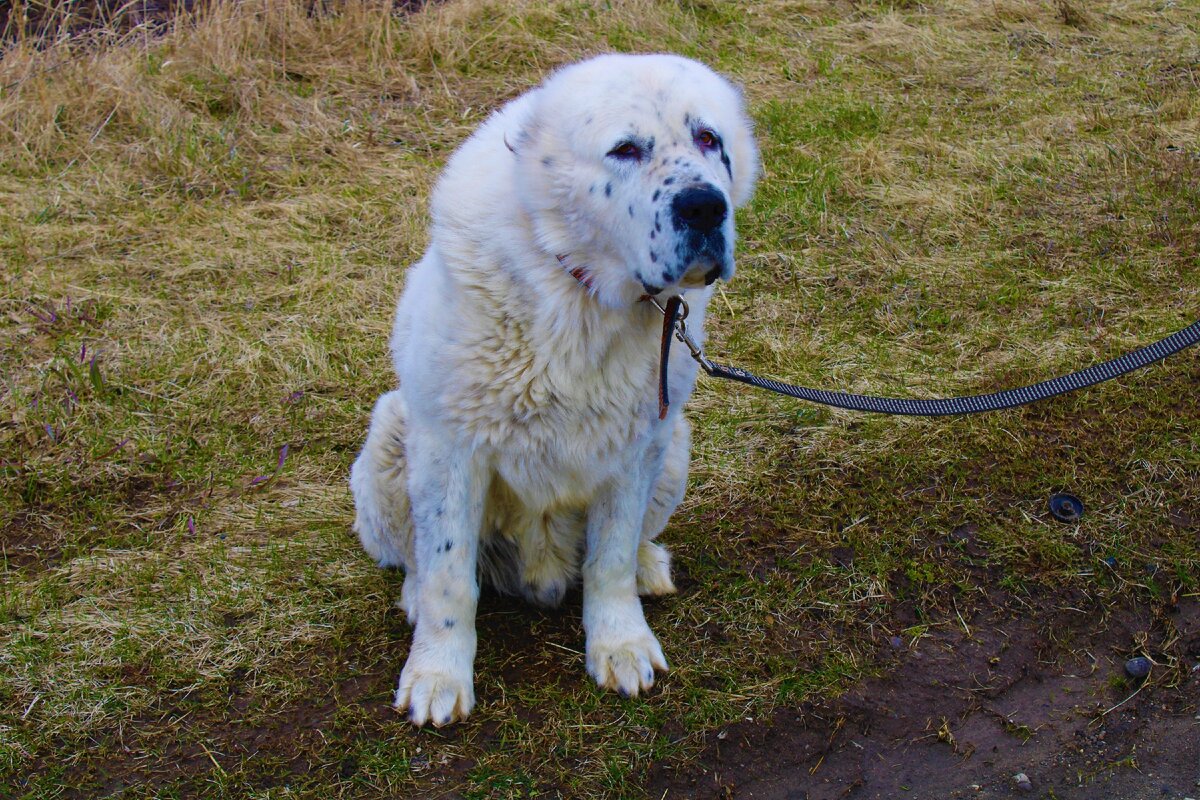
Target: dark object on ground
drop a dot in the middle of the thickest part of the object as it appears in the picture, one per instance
(1066, 507)
(1137, 668)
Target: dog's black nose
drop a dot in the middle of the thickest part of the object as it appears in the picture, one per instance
(700, 209)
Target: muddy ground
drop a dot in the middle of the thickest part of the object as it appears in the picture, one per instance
(962, 711)
(956, 713)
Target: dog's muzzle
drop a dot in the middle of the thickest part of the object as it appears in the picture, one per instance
(700, 209)
(698, 214)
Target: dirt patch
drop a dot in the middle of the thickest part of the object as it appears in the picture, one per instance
(955, 713)
(27, 543)
(250, 730)
(266, 742)
(44, 535)
(964, 709)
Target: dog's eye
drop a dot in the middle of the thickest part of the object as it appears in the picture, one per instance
(707, 140)
(626, 151)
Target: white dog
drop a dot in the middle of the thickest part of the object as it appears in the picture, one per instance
(524, 441)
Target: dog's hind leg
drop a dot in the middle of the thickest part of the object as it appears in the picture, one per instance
(383, 520)
(654, 560)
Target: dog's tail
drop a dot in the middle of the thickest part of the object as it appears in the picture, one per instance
(382, 520)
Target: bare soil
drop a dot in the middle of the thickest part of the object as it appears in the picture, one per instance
(26, 543)
(959, 713)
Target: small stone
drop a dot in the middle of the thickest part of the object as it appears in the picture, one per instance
(1023, 782)
(1137, 668)
(896, 642)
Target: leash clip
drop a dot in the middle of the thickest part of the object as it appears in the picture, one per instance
(683, 337)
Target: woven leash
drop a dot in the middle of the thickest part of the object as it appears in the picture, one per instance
(949, 406)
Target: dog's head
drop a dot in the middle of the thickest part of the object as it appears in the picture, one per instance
(630, 167)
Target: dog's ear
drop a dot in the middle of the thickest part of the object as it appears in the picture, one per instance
(521, 123)
(743, 155)
(518, 140)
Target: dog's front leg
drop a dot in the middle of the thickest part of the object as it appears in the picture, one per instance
(622, 652)
(446, 490)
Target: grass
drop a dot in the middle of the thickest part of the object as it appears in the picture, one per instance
(203, 231)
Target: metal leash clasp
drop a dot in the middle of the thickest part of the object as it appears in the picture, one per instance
(682, 336)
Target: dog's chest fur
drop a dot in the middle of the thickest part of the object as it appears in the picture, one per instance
(564, 399)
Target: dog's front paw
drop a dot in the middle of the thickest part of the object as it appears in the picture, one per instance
(433, 692)
(625, 662)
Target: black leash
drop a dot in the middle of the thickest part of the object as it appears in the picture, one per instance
(975, 404)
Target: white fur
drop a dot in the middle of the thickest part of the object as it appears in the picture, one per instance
(523, 441)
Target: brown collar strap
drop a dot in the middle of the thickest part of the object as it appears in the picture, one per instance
(670, 314)
(578, 273)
